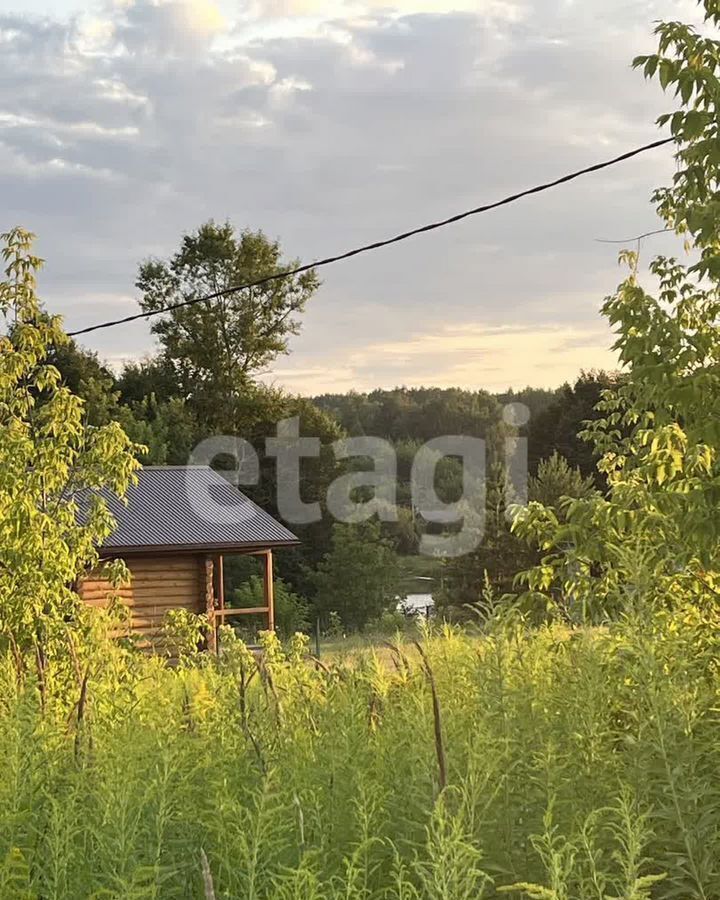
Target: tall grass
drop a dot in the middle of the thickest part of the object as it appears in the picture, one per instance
(549, 764)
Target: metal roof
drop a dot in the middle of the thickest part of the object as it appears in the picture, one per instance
(187, 508)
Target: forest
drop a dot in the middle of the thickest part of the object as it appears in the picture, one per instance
(553, 735)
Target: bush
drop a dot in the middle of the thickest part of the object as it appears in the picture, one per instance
(390, 621)
(292, 612)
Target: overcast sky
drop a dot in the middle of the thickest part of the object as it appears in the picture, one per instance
(328, 124)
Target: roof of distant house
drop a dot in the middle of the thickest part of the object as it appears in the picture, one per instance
(187, 508)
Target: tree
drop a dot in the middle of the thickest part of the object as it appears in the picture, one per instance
(153, 376)
(215, 348)
(47, 454)
(163, 431)
(656, 535)
(78, 366)
(537, 400)
(556, 479)
(558, 426)
(493, 567)
(415, 414)
(359, 578)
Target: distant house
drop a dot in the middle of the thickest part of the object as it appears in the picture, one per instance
(172, 530)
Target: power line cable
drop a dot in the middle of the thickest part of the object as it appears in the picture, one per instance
(638, 237)
(423, 229)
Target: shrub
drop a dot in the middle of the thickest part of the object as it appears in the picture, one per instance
(292, 612)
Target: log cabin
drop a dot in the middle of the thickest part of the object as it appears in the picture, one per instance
(173, 530)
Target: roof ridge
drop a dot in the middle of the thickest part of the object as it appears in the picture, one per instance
(173, 468)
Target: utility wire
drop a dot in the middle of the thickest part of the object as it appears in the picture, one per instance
(638, 237)
(378, 244)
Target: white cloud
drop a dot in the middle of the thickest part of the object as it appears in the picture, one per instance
(169, 26)
(126, 126)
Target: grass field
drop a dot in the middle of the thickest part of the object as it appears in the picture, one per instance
(584, 763)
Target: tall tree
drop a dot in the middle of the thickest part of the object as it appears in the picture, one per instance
(655, 536)
(216, 347)
(359, 577)
(47, 454)
(493, 567)
(558, 426)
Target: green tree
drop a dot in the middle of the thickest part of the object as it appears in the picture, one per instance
(47, 454)
(556, 479)
(537, 400)
(557, 427)
(215, 348)
(359, 578)
(656, 534)
(404, 532)
(414, 415)
(154, 376)
(490, 571)
(78, 366)
(159, 422)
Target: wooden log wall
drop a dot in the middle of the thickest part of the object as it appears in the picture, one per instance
(158, 585)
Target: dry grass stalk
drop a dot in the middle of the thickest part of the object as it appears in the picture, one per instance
(437, 720)
(208, 885)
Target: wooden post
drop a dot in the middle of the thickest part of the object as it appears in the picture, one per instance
(210, 605)
(219, 598)
(220, 574)
(268, 589)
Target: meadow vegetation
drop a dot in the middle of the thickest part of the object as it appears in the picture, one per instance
(557, 763)
(564, 746)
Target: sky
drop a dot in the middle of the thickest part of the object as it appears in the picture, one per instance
(125, 124)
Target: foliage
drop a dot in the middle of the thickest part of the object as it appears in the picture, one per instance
(183, 634)
(47, 455)
(390, 622)
(152, 376)
(292, 612)
(164, 430)
(359, 577)
(555, 479)
(486, 575)
(557, 762)
(656, 534)
(580, 763)
(556, 428)
(415, 414)
(214, 348)
(404, 532)
(77, 366)
(537, 400)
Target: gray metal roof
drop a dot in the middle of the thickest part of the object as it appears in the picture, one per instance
(188, 508)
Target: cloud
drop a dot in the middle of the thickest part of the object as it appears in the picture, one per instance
(468, 354)
(163, 27)
(502, 10)
(122, 128)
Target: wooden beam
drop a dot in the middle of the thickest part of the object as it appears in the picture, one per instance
(240, 611)
(268, 589)
(210, 605)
